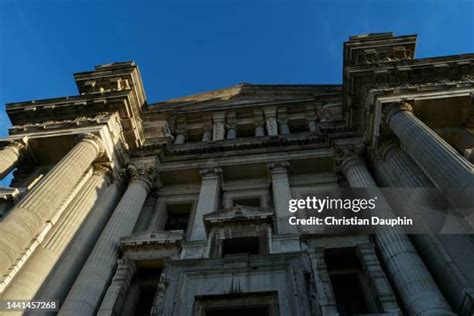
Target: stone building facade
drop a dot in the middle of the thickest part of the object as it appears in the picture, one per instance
(121, 207)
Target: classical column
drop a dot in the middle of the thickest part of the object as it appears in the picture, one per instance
(445, 167)
(399, 170)
(10, 155)
(43, 201)
(43, 260)
(86, 293)
(270, 121)
(283, 127)
(208, 201)
(231, 119)
(404, 170)
(207, 135)
(60, 280)
(312, 127)
(114, 298)
(412, 280)
(180, 138)
(218, 128)
(281, 196)
(231, 133)
(259, 129)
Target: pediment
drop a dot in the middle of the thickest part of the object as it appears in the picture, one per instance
(248, 94)
(155, 237)
(239, 213)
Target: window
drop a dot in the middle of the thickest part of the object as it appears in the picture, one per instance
(248, 304)
(252, 201)
(145, 300)
(236, 311)
(348, 293)
(178, 216)
(142, 291)
(349, 283)
(243, 245)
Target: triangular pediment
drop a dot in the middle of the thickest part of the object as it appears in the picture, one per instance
(246, 94)
(239, 213)
(152, 237)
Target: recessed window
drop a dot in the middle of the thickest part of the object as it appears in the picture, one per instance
(236, 311)
(178, 216)
(248, 304)
(145, 300)
(348, 294)
(139, 301)
(253, 201)
(350, 285)
(243, 245)
(298, 127)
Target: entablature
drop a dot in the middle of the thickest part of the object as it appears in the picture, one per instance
(359, 78)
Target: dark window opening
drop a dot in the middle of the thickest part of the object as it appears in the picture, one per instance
(139, 302)
(256, 202)
(348, 294)
(178, 216)
(349, 283)
(239, 311)
(145, 301)
(298, 127)
(246, 131)
(238, 304)
(243, 245)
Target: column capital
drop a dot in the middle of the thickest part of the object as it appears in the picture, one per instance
(143, 173)
(348, 155)
(384, 147)
(210, 172)
(93, 139)
(18, 144)
(276, 166)
(103, 170)
(389, 109)
(218, 116)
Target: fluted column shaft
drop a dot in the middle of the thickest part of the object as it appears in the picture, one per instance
(72, 260)
(9, 156)
(412, 280)
(281, 196)
(40, 264)
(399, 170)
(445, 167)
(208, 201)
(404, 170)
(44, 200)
(88, 289)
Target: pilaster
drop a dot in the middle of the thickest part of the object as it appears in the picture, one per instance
(271, 121)
(281, 195)
(208, 201)
(218, 128)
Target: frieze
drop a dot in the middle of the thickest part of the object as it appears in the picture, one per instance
(80, 121)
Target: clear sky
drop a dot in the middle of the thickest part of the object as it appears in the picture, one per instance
(188, 46)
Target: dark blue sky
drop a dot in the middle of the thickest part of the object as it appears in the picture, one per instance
(183, 47)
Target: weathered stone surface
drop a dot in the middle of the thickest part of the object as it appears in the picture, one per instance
(205, 226)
